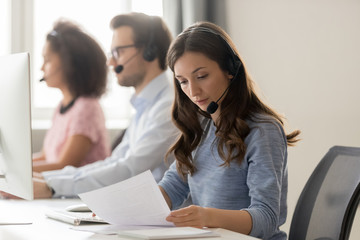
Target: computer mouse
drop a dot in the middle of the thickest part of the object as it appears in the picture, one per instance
(78, 208)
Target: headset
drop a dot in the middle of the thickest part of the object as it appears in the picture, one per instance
(149, 53)
(150, 50)
(234, 64)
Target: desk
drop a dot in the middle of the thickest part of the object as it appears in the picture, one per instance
(43, 228)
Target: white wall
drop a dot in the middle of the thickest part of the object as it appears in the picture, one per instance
(305, 57)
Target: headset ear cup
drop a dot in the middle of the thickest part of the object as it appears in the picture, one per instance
(234, 66)
(150, 53)
(151, 49)
(232, 69)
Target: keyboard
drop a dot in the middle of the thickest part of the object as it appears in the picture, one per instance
(74, 218)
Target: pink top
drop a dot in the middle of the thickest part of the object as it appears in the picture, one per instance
(84, 118)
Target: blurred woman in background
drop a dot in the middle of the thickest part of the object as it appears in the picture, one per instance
(74, 63)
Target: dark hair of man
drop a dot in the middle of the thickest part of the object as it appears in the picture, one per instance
(144, 27)
(239, 104)
(83, 61)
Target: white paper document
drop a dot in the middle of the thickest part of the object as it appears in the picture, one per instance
(135, 201)
(169, 233)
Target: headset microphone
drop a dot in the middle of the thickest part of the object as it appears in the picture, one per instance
(49, 75)
(213, 106)
(119, 68)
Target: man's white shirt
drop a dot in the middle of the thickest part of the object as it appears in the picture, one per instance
(145, 143)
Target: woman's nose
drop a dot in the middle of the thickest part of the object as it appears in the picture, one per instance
(194, 89)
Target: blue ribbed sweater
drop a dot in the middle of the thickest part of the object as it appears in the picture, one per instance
(258, 185)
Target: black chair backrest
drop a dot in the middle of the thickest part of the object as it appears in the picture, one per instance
(328, 203)
(118, 139)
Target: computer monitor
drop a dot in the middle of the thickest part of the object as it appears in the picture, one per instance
(15, 126)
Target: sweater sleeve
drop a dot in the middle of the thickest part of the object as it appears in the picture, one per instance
(176, 188)
(267, 178)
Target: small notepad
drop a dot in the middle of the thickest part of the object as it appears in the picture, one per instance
(169, 233)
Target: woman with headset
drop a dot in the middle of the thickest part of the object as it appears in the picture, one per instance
(231, 155)
(76, 65)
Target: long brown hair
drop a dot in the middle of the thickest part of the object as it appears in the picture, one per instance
(239, 104)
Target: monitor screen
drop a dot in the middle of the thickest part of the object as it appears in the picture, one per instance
(15, 126)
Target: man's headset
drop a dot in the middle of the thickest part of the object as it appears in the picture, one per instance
(150, 50)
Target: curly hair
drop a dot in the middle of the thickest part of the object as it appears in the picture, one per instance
(83, 60)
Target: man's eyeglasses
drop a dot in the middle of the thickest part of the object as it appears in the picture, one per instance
(115, 52)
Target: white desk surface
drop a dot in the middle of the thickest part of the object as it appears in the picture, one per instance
(48, 229)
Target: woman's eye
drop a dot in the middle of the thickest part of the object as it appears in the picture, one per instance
(202, 76)
(181, 81)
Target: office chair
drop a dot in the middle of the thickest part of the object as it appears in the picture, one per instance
(118, 139)
(327, 205)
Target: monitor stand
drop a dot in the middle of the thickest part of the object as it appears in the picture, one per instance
(4, 198)
(3, 178)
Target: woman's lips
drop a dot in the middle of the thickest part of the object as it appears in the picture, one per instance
(201, 102)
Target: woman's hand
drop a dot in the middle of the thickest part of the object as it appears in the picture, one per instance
(199, 217)
(191, 216)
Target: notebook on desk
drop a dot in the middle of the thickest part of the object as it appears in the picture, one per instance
(74, 218)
